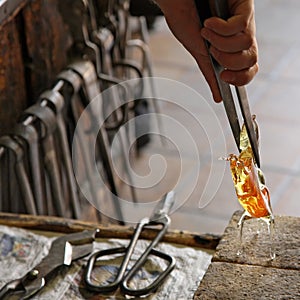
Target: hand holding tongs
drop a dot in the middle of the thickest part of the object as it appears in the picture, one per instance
(219, 8)
(123, 277)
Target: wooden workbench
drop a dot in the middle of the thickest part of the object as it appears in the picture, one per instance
(251, 275)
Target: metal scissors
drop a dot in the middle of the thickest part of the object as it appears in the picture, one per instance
(63, 251)
(123, 277)
(219, 8)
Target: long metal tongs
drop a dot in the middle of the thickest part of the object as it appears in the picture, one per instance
(219, 8)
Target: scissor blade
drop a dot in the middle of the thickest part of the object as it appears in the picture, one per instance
(164, 206)
(62, 249)
(82, 251)
(62, 252)
(248, 120)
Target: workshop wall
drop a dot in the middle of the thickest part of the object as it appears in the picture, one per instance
(33, 49)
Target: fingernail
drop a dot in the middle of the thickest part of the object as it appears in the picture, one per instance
(207, 24)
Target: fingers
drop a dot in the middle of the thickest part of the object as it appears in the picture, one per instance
(235, 61)
(233, 43)
(205, 66)
(237, 78)
(240, 67)
(241, 77)
(229, 27)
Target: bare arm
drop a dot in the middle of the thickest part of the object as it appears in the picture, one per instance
(233, 42)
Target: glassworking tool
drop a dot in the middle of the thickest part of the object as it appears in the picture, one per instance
(55, 101)
(82, 78)
(25, 133)
(46, 120)
(63, 251)
(219, 8)
(7, 142)
(124, 276)
(104, 46)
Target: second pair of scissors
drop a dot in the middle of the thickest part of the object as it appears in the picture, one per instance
(123, 277)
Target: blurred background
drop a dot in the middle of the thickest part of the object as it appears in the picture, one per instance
(274, 98)
(76, 50)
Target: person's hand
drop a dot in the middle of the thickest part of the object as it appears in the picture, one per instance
(232, 42)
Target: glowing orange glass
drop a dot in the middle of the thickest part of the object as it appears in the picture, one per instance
(248, 181)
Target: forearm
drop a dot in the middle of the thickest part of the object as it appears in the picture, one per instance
(183, 21)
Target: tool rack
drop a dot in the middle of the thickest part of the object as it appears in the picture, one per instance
(47, 50)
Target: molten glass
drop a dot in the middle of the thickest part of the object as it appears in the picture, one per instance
(249, 181)
(250, 188)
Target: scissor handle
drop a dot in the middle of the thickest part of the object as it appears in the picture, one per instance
(103, 288)
(164, 222)
(121, 279)
(10, 288)
(21, 287)
(155, 284)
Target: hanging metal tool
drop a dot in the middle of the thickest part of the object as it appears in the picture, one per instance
(219, 8)
(78, 81)
(46, 122)
(26, 134)
(103, 41)
(55, 101)
(87, 49)
(7, 142)
(141, 42)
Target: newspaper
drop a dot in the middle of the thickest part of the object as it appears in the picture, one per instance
(21, 250)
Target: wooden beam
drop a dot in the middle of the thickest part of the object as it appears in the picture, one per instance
(62, 225)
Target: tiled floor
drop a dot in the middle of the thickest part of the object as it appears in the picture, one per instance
(274, 97)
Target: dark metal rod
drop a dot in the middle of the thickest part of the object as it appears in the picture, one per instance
(8, 7)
